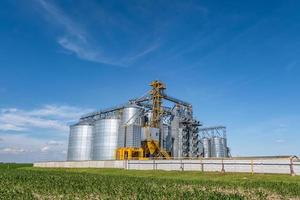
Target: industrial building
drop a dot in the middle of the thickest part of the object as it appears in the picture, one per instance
(144, 128)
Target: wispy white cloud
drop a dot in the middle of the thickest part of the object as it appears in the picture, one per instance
(55, 143)
(12, 150)
(76, 38)
(50, 117)
(20, 121)
(45, 148)
(279, 141)
(57, 16)
(62, 111)
(84, 50)
(25, 148)
(144, 52)
(10, 127)
(20, 140)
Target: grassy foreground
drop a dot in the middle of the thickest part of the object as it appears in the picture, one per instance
(26, 182)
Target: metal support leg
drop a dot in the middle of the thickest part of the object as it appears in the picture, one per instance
(292, 167)
(223, 168)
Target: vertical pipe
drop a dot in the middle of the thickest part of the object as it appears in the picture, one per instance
(292, 167)
(223, 169)
(129, 154)
(125, 138)
(181, 165)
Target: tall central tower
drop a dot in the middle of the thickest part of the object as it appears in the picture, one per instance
(156, 96)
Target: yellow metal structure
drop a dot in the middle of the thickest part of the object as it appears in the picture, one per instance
(156, 95)
(150, 147)
(129, 153)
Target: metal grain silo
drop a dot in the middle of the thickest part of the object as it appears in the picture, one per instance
(105, 140)
(129, 133)
(80, 142)
(224, 143)
(133, 135)
(217, 147)
(200, 149)
(164, 135)
(176, 144)
(169, 140)
(131, 115)
(206, 147)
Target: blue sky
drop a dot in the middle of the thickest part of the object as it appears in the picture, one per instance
(237, 62)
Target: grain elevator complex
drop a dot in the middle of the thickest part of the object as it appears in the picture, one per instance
(144, 128)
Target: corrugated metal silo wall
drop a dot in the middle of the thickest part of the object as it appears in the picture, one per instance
(217, 147)
(80, 142)
(130, 117)
(206, 147)
(105, 140)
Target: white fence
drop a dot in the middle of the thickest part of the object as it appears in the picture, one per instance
(286, 165)
(280, 166)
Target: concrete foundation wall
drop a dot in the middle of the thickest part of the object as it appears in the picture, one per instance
(280, 166)
(82, 164)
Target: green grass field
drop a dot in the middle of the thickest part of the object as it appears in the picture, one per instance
(25, 182)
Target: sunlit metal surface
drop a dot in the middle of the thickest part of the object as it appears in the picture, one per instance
(217, 147)
(206, 147)
(80, 142)
(173, 128)
(105, 139)
(129, 133)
